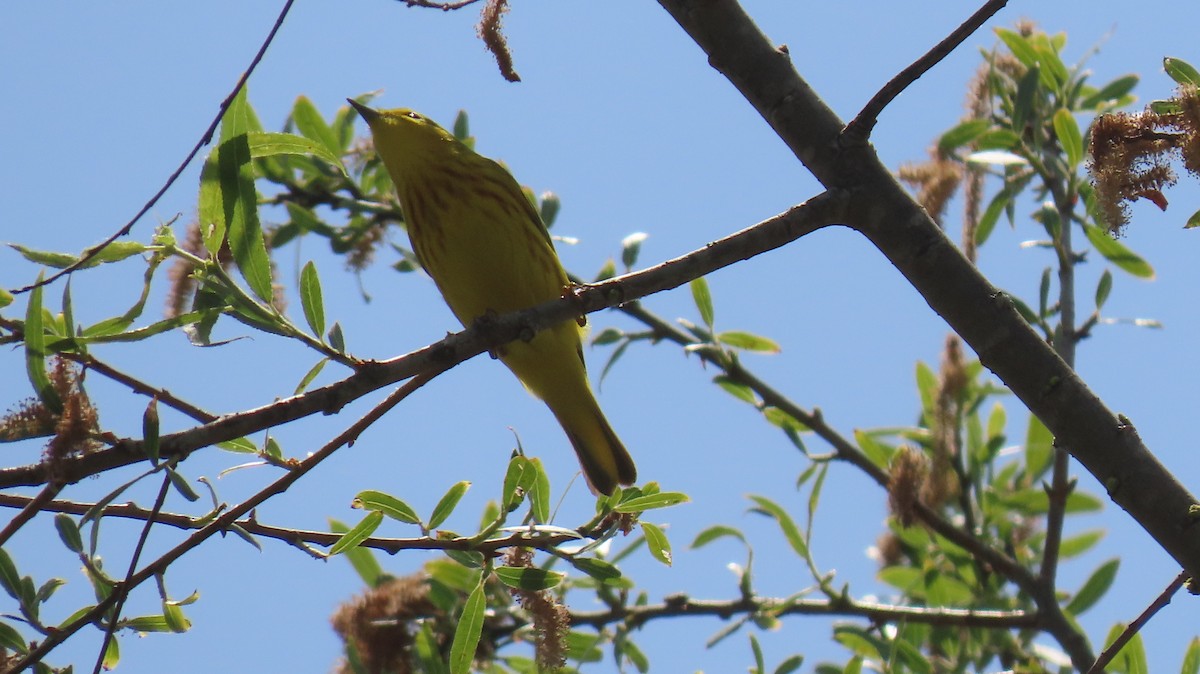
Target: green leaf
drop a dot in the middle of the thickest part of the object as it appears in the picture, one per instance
(113, 252)
(635, 656)
(927, 386)
(310, 376)
(790, 531)
(1181, 71)
(1020, 47)
(362, 559)
(175, 618)
(703, 300)
(1073, 546)
(12, 640)
(263, 145)
(180, 483)
(630, 247)
(1193, 221)
(1069, 137)
(462, 125)
(240, 204)
(1191, 658)
(1111, 92)
(35, 351)
(529, 579)
(790, 665)
(539, 493)
(748, 342)
(447, 504)
(112, 654)
(1116, 252)
(310, 299)
(991, 215)
(336, 339)
(716, 532)
(68, 531)
(361, 532)
(664, 499)
(310, 123)
(1094, 587)
(760, 666)
(387, 504)
(1039, 448)
(1023, 103)
(466, 636)
(548, 208)
(1103, 288)
(656, 539)
(962, 134)
(597, 568)
(736, 389)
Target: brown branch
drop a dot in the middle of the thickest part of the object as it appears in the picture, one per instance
(205, 139)
(296, 536)
(121, 592)
(767, 235)
(1157, 605)
(138, 386)
(859, 129)
(224, 522)
(30, 506)
(1107, 445)
(681, 606)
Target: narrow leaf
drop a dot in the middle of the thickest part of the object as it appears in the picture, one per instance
(35, 351)
(466, 637)
(1069, 137)
(529, 579)
(310, 299)
(703, 300)
(664, 499)
(361, 532)
(1116, 252)
(447, 504)
(1093, 588)
(1181, 71)
(387, 504)
(790, 531)
(362, 559)
(657, 541)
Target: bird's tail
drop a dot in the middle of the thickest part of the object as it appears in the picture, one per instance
(606, 463)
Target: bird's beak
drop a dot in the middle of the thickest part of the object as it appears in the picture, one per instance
(368, 114)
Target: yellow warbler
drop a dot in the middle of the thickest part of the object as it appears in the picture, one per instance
(485, 246)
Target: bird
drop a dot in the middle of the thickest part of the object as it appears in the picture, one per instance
(480, 238)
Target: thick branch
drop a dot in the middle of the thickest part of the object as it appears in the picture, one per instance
(1106, 445)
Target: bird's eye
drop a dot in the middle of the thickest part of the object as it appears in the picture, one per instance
(413, 115)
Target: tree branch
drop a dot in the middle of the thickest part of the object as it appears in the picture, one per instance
(1107, 445)
(487, 335)
(859, 128)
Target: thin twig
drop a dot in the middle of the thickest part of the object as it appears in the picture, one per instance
(121, 592)
(859, 129)
(138, 386)
(226, 520)
(1157, 605)
(31, 508)
(205, 139)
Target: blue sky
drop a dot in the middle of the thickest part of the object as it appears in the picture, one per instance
(621, 116)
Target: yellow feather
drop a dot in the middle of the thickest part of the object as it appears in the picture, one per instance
(487, 250)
